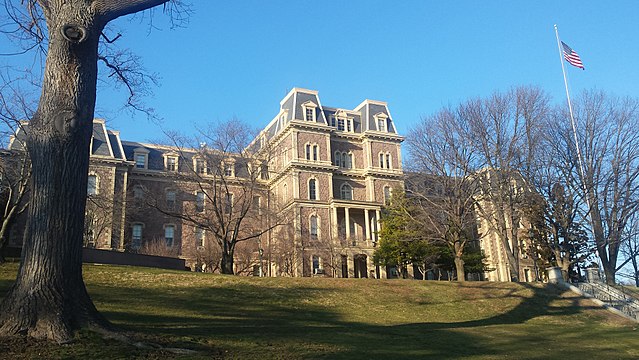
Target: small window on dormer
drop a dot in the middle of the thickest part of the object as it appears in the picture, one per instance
(309, 109)
(381, 124)
(349, 125)
(229, 170)
(140, 161)
(200, 166)
(171, 163)
(340, 124)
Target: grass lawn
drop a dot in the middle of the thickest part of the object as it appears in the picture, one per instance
(312, 318)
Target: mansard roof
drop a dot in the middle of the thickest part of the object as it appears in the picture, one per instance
(364, 116)
(104, 143)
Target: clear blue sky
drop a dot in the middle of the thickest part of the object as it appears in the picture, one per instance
(239, 58)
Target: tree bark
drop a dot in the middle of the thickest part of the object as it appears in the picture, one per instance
(227, 263)
(49, 299)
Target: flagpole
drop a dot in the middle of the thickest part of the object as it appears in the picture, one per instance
(574, 133)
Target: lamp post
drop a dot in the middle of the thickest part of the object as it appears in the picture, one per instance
(260, 251)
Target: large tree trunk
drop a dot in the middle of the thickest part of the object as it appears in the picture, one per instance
(227, 263)
(458, 251)
(49, 299)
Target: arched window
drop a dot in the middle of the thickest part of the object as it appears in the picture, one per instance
(346, 192)
(313, 227)
(338, 158)
(315, 152)
(381, 160)
(388, 161)
(285, 192)
(138, 192)
(348, 160)
(308, 151)
(312, 189)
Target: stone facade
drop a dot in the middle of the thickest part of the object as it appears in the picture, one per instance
(328, 170)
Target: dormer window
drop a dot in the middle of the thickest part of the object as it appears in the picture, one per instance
(310, 113)
(199, 165)
(229, 169)
(381, 121)
(171, 163)
(340, 124)
(141, 158)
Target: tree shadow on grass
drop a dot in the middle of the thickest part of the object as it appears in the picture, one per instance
(270, 322)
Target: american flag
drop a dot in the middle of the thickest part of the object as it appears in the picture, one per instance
(572, 57)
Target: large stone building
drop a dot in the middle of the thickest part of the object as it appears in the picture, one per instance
(328, 171)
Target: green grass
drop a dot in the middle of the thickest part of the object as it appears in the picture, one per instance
(304, 318)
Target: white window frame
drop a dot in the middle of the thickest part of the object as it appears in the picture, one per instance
(199, 170)
(171, 198)
(167, 159)
(228, 203)
(342, 190)
(315, 192)
(381, 160)
(229, 168)
(137, 243)
(309, 108)
(141, 153)
(200, 201)
(389, 161)
(200, 237)
(314, 235)
(96, 188)
(170, 227)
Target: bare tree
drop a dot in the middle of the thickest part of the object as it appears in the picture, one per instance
(505, 130)
(49, 299)
(438, 147)
(608, 133)
(228, 179)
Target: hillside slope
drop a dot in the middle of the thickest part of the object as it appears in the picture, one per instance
(283, 318)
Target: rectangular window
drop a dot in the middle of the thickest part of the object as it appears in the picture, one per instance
(136, 236)
(199, 237)
(171, 164)
(169, 234)
(310, 114)
(92, 185)
(228, 170)
(317, 265)
(228, 204)
(381, 160)
(340, 124)
(381, 125)
(199, 201)
(333, 121)
(313, 227)
(312, 191)
(140, 161)
(308, 152)
(388, 161)
(170, 199)
(315, 153)
(199, 166)
(257, 203)
(349, 125)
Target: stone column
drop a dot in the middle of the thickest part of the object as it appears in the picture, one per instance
(377, 224)
(593, 275)
(347, 221)
(367, 223)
